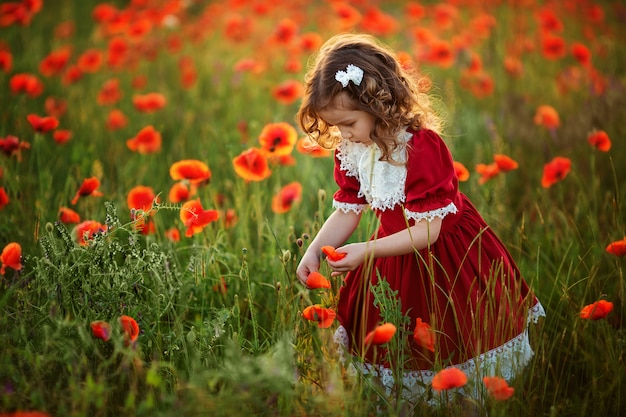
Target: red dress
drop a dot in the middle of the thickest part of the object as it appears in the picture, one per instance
(465, 286)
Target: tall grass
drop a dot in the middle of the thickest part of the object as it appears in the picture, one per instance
(204, 350)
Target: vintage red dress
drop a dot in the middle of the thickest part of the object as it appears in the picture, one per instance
(465, 286)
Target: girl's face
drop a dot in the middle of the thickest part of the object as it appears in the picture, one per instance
(354, 125)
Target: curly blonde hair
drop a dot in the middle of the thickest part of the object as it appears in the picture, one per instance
(395, 96)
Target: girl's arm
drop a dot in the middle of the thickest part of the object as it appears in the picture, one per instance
(334, 232)
(416, 237)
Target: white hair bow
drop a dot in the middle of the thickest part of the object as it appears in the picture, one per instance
(352, 73)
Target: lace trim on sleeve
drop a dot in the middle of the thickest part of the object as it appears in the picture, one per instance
(430, 215)
(348, 207)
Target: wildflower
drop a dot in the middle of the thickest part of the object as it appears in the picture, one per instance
(181, 191)
(553, 47)
(11, 257)
(251, 165)
(381, 334)
(596, 311)
(461, 172)
(72, 75)
(617, 248)
(547, 116)
(55, 106)
(600, 140)
(89, 187)
(513, 66)
(117, 51)
(192, 170)
(148, 140)
(347, 15)
(505, 163)
(440, 53)
(332, 254)
(68, 216)
(378, 23)
(85, 230)
(308, 147)
(141, 198)
(498, 388)
(487, 172)
(195, 218)
(26, 83)
(62, 136)
(581, 54)
(316, 280)
(130, 329)
(172, 234)
(4, 198)
(449, 378)
(54, 63)
(424, 335)
(90, 61)
(230, 218)
(101, 330)
(11, 145)
(286, 197)
(555, 171)
(110, 92)
(310, 42)
(149, 103)
(116, 120)
(288, 91)
(42, 124)
(286, 31)
(6, 61)
(278, 139)
(323, 316)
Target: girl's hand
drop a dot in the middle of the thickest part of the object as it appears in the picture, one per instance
(355, 256)
(310, 262)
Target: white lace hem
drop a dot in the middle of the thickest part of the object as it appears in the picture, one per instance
(349, 207)
(430, 215)
(505, 361)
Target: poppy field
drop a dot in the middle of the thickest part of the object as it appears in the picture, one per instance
(156, 196)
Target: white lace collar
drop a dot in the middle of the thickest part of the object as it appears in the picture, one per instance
(382, 184)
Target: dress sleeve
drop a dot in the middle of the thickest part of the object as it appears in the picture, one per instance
(347, 198)
(431, 183)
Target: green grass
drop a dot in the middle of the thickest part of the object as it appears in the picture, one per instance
(248, 350)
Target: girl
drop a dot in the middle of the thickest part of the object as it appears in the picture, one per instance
(448, 267)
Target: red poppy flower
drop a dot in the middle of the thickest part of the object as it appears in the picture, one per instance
(498, 388)
(617, 248)
(278, 139)
(347, 15)
(181, 191)
(138, 29)
(381, 334)
(85, 230)
(316, 280)
(103, 12)
(149, 102)
(110, 92)
(195, 218)
(513, 66)
(6, 61)
(55, 62)
(286, 31)
(581, 53)
(547, 116)
(139, 82)
(64, 30)
(90, 61)
(553, 47)
(286, 197)
(461, 172)
(61, 136)
(72, 75)
(68, 216)
(141, 198)
(230, 218)
(116, 120)
(308, 147)
(192, 170)
(505, 163)
(251, 165)
(238, 28)
(55, 107)
(424, 335)
(596, 311)
(310, 42)
(600, 140)
(12, 146)
(249, 65)
(555, 171)
(4, 198)
(379, 23)
(172, 234)
(101, 330)
(42, 124)
(117, 51)
(487, 172)
(323, 316)
(11, 257)
(445, 15)
(449, 378)
(440, 53)
(26, 83)
(148, 140)
(288, 91)
(548, 20)
(130, 329)
(332, 254)
(88, 187)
